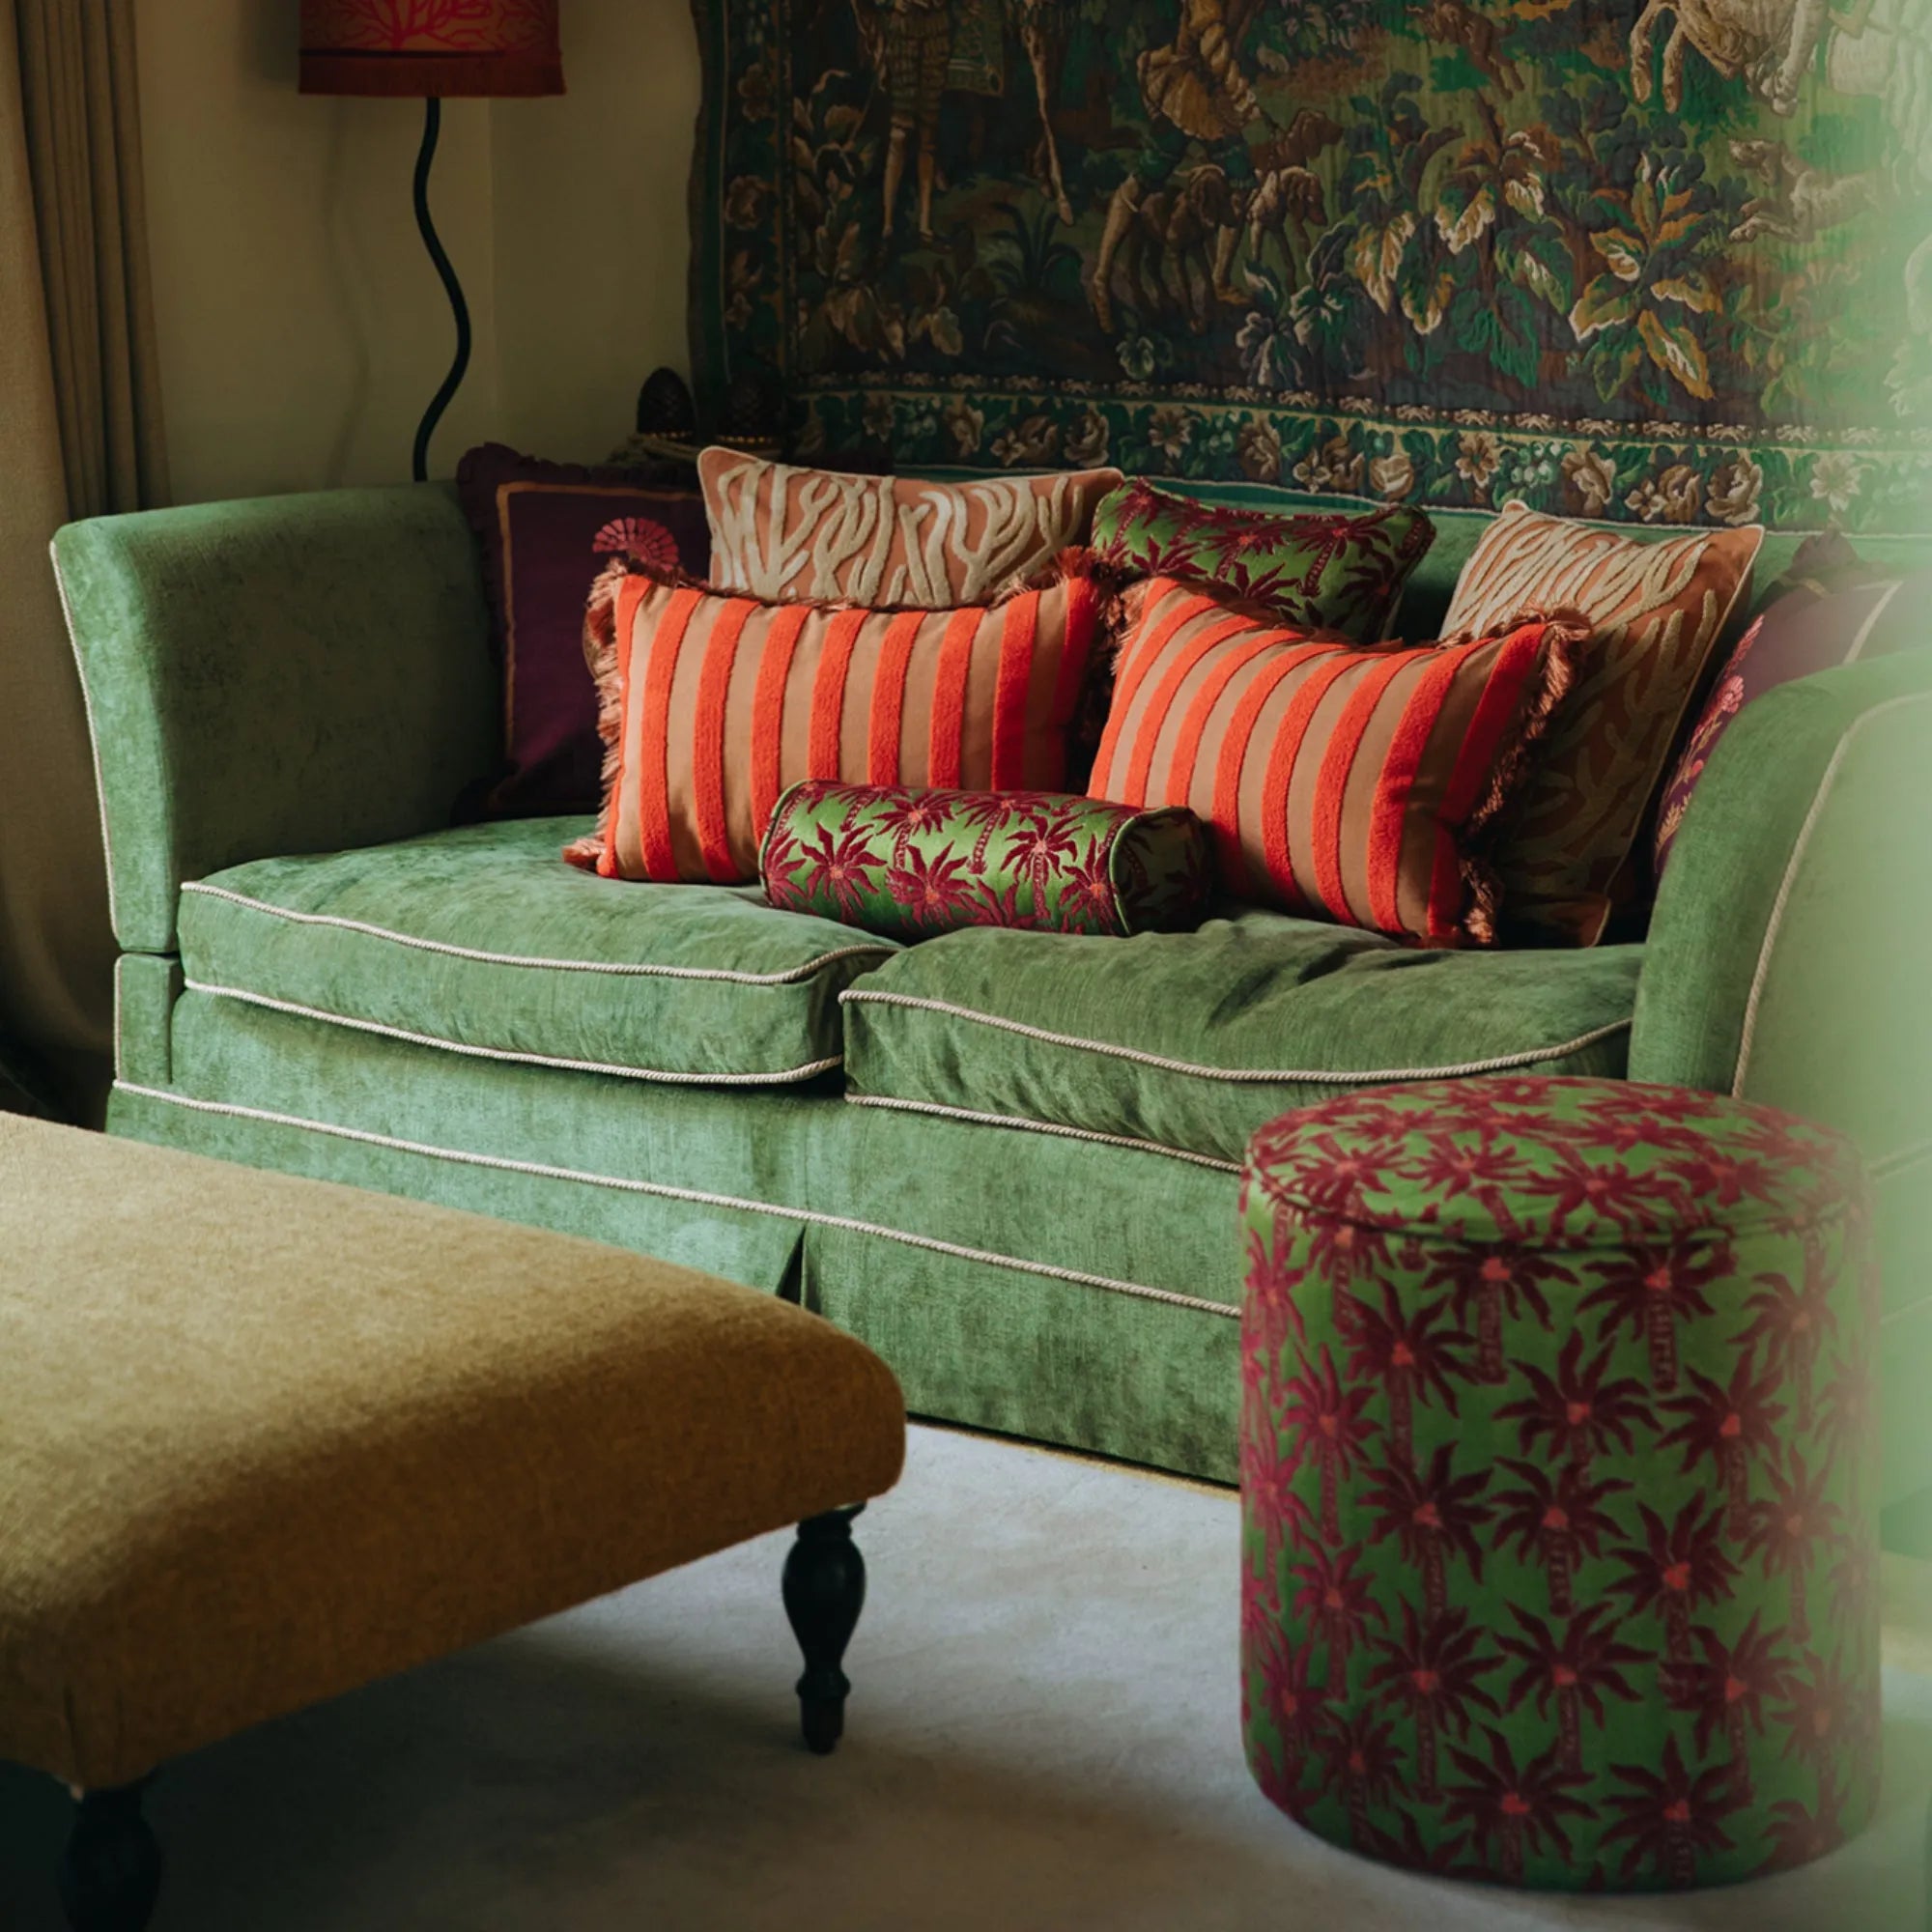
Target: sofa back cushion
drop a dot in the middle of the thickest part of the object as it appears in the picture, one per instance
(782, 533)
(714, 704)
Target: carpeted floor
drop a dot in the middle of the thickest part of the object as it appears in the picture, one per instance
(1043, 1739)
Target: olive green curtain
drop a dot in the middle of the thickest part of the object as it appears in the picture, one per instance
(80, 434)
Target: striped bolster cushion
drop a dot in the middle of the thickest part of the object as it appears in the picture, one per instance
(1336, 781)
(713, 704)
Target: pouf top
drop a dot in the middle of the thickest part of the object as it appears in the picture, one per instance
(1553, 1162)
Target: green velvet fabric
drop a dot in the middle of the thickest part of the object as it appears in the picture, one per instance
(145, 987)
(289, 674)
(1087, 1360)
(1789, 962)
(1215, 1032)
(1725, 887)
(484, 938)
(692, 1147)
(1142, 1380)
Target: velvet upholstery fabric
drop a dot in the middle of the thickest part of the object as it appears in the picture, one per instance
(289, 674)
(1786, 958)
(1814, 626)
(483, 939)
(1192, 1040)
(801, 1192)
(370, 1431)
(736, 1182)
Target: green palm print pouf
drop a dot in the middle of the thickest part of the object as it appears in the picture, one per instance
(1559, 1482)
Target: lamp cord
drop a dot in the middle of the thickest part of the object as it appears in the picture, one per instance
(451, 383)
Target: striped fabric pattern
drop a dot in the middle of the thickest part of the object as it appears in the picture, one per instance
(1337, 780)
(714, 704)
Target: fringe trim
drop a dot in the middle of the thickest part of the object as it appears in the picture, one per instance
(1065, 567)
(1564, 634)
(600, 642)
(600, 653)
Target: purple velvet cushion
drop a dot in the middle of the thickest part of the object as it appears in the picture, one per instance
(546, 529)
(1829, 610)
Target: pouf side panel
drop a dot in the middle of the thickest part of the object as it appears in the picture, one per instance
(1636, 1651)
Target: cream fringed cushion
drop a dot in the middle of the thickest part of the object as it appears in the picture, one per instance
(779, 533)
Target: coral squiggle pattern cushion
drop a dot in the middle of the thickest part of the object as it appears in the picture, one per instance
(714, 704)
(1345, 782)
(777, 531)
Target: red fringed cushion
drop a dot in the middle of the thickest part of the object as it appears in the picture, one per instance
(1345, 782)
(713, 704)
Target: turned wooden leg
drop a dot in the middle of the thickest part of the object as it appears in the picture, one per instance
(824, 1592)
(111, 1869)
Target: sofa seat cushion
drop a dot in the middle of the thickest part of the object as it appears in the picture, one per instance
(1190, 1042)
(482, 940)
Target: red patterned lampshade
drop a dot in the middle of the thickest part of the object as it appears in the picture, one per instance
(431, 48)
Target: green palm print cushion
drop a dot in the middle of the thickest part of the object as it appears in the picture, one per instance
(916, 862)
(1317, 570)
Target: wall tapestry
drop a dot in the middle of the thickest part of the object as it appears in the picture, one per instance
(1663, 262)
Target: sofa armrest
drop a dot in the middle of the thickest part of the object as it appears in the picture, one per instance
(286, 674)
(1790, 962)
(1787, 953)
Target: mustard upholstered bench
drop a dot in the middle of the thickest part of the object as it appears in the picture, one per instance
(264, 1439)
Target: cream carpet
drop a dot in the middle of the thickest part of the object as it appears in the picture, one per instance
(1043, 1737)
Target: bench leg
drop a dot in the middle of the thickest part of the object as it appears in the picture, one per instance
(111, 1869)
(824, 1592)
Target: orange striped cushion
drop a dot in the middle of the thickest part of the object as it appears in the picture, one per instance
(714, 704)
(1342, 782)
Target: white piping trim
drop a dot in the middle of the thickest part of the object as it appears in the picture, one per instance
(1910, 1308)
(1871, 623)
(1747, 1035)
(1901, 1161)
(1502, 1062)
(629, 969)
(1019, 1124)
(659, 1190)
(93, 739)
(789, 1078)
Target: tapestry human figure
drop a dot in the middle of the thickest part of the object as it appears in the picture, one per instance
(911, 41)
(1194, 90)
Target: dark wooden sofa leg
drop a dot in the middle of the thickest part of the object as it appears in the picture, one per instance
(824, 1592)
(111, 1869)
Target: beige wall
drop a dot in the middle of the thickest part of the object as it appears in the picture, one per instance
(593, 236)
(301, 326)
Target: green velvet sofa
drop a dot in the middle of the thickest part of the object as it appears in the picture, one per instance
(1005, 1160)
